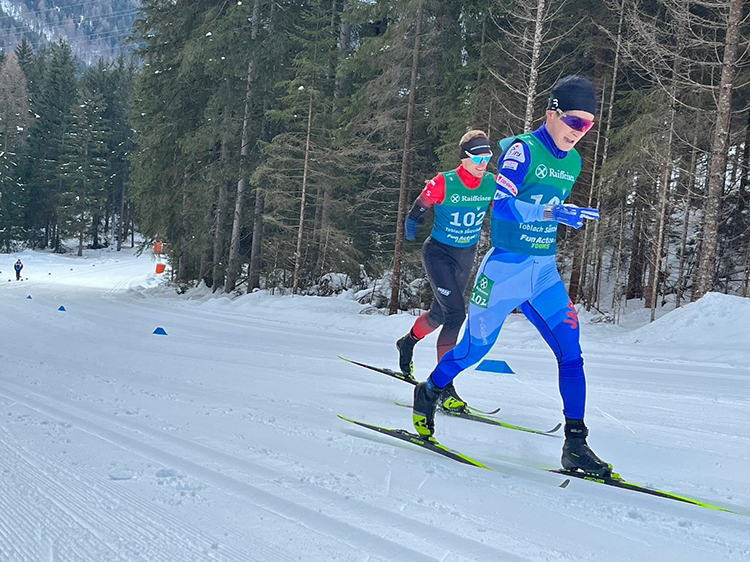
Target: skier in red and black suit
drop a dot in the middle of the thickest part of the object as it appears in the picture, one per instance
(460, 199)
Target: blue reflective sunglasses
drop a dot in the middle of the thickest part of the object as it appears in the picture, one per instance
(483, 159)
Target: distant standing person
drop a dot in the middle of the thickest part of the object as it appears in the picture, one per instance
(18, 267)
(460, 199)
(536, 174)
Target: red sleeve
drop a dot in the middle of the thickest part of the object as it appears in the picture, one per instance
(434, 192)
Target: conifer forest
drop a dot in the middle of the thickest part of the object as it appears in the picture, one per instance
(278, 144)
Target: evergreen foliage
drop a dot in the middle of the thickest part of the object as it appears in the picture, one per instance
(263, 140)
(14, 126)
(69, 151)
(93, 29)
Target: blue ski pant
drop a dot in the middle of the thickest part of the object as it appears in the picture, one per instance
(506, 281)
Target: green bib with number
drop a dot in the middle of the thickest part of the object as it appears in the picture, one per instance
(548, 180)
(480, 296)
(459, 218)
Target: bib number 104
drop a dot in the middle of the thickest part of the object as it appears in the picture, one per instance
(468, 219)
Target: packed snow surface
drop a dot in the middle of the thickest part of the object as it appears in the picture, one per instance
(219, 440)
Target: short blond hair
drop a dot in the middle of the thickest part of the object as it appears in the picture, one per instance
(474, 133)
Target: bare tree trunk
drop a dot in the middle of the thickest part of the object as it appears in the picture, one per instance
(536, 52)
(217, 253)
(661, 218)
(718, 164)
(396, 281)
(574, 286)
(323, 230)
(480, 107)
(317, 234)
(745, 171)
(303, 196)
(605, 152)
(95, 231)
(234, 248)
(686, 222)
(636, 269)
(667, 169)
(745, 198)
(80, 237)
(256, 249)
(746, 279)
(208, 221)
(617, 294)
(578, 286)
(122, 226)
(183, 261)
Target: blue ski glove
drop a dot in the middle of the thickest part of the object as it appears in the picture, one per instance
(410, 229)
(570, 214)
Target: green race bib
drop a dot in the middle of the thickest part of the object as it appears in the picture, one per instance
(480, 296)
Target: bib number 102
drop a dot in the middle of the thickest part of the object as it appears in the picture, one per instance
(469, 219)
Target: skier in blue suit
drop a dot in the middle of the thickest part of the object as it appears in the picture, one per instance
(535, 176)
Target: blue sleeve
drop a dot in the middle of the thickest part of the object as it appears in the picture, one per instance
(511, 172)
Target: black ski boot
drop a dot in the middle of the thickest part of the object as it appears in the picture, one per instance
(577, 455)
(405, 348)
(426, 396)
(450, 401)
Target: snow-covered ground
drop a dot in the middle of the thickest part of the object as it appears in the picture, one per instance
(220, 441)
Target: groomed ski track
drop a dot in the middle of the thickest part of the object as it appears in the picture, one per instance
(220, 441)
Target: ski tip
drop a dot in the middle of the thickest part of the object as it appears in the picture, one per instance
(473, 410)
(343, 417)
(556, 428)
(565, 483)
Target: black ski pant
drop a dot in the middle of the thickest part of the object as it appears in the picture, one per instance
(448, 269)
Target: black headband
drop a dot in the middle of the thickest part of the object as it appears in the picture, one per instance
(475, 147)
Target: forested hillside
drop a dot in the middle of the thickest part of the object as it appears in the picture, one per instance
(93, 28)
(65, 142)
(276, 142)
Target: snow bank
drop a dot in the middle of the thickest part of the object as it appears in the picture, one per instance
(717, 320)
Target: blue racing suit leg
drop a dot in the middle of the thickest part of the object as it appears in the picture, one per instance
(554, 315)
(504, 281)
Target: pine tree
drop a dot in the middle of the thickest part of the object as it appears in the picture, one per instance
(218, 141)
(25, 54)
(53, 104)
(84, 169)
(445, 101)
(14, 124)
(300, 161)
(170, 95)
(706, 274)
(268, 61)
(118, 88)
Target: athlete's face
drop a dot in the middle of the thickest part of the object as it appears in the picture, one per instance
(564, 135)
(476, 170)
